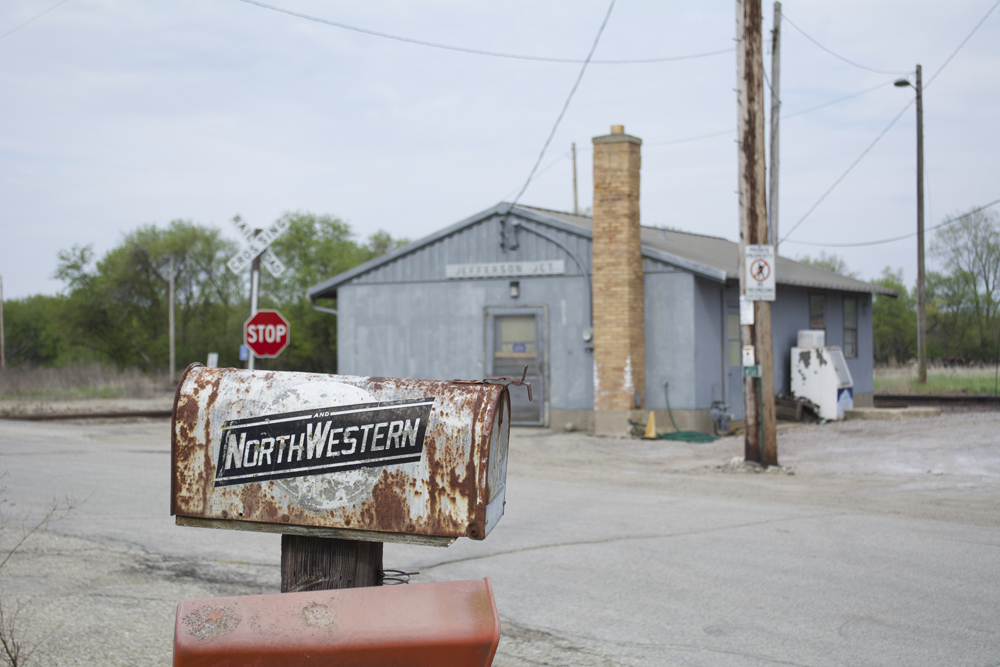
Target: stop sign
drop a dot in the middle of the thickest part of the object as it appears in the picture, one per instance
(266, 333)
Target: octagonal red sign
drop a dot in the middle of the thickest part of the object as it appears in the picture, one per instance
(266, 333)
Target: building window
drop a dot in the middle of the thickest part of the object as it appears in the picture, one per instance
(817, 312)
(850, 326)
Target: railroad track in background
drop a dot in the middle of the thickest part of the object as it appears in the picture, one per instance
(955, 400)
(115, 414)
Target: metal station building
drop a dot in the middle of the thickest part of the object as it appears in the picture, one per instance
(610, 318)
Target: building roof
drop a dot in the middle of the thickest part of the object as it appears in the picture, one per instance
(709, 256)
(723, 254)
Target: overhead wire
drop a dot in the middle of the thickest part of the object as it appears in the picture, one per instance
(837, 101)
(959, 48)
(481, 52)
(895, 238)
(783, 117)
(836, 55)
(569, 98)
(847, 171)
(891, 123)
(34, 18)
(544, 169)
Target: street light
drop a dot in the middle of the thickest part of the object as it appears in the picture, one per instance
(921, 313)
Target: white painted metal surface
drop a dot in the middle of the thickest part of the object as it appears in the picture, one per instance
(821, 375)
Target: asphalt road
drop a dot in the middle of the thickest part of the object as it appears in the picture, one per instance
(879, 543)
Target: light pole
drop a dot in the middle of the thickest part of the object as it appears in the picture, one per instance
(921, 313)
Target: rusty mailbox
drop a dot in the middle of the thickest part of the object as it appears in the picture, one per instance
(362, 458)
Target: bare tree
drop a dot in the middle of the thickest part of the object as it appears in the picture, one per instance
(16, 644)
(970, 251)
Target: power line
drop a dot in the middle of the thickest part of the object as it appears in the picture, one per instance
(722, 133)
(13, 30)
(967, 38)
(849, 169)
(891, 123)
(838, 101)
(480, 52)
(835, 55)
(894, 238)
(559, 159)
(566, 104)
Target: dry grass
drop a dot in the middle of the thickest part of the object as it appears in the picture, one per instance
(82, 381)
(940, 380)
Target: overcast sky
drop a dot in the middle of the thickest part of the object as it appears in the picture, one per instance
(121, 113)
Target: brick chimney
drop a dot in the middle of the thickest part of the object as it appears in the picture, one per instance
(619, 335)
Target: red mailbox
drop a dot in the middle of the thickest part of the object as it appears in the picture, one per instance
(451, 623)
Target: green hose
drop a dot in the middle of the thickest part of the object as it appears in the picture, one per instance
(678, 435)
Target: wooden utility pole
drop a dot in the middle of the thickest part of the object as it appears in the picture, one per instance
(772, 200)
(921, 290)
(576, 204)
(170, 317)
(760, 441)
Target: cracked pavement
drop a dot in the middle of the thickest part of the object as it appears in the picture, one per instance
(878, 543)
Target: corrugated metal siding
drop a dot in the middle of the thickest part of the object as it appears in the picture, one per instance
(436, 331)
(670, 340)
(479, 243)
(708, 350)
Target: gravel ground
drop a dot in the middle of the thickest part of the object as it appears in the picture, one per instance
(101, 586)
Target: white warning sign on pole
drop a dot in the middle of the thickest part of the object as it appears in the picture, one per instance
(759, 262)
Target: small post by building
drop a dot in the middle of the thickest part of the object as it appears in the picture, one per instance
(760, 438)
(170, 317)
(576, 202)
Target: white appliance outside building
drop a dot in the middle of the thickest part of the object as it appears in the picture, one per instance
(820, 374)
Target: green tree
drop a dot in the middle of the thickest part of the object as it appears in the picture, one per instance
(894, 320)
(315, 248)
(970, 251)
(832, 262)
(117, 307)
(35, 332)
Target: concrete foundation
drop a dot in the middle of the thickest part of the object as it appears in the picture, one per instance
(615, 422)
(864, 400)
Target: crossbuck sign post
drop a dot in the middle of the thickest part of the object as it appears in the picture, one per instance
(256, 253)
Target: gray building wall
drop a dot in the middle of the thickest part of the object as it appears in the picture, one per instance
(406, 319)
(709, 342)
(480, 242)
(790, 314)
(436, 330)
(670, 338)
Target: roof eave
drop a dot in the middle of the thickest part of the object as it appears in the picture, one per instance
(328, 288)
